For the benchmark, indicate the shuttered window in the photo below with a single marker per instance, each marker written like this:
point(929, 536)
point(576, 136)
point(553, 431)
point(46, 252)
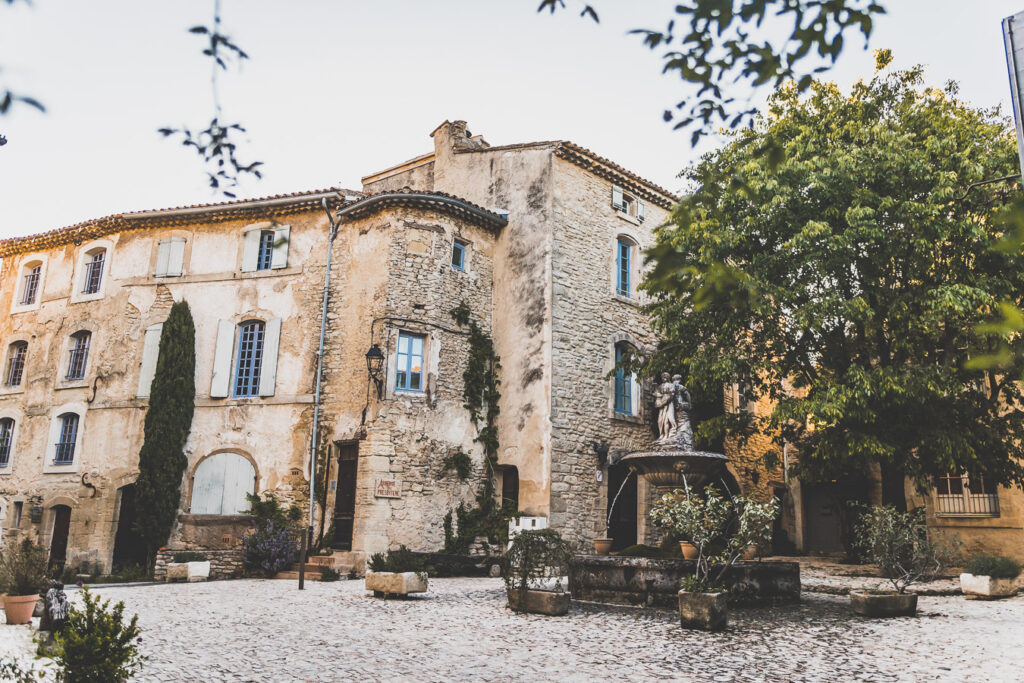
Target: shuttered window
point(266, 249)
point(249, 359)
point(170, 257)
point(265, 255)
point(221, 483)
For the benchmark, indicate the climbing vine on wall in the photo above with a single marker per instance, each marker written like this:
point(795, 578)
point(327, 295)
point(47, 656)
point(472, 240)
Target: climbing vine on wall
point(480, 397)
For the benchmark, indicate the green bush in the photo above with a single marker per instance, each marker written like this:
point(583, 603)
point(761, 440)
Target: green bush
point(23, 568)
point(401, 560)
point(328, 574)
point(900, 544)
point(996, 566)
point(189, 556)
point(96, 644)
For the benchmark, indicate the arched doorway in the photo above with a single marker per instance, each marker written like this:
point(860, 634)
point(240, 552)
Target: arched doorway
point(128, 547)
point(59, 537)
point(621, 519)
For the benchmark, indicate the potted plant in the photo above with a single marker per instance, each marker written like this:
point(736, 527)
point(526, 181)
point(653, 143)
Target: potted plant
point(688, 550)
point(900, 545)
point(705, 518)
point(397, 572)
point(603, 546)
point(989, 577)
point(23, 575)
point(532, 568)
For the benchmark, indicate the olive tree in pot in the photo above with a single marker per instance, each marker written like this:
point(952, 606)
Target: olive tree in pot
point(705, 518)
point(900, 545)
point(533, 568)
point(988, 577)
point(23, 576)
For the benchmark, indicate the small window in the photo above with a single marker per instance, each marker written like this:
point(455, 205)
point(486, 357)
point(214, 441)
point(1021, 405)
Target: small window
point(78, 356)
point(409, 365)
point(64, 453)
point(30, 286)
point(249, 359)
point(459, 255)
point(961, 495)
point(623, 381)
point(16, 523)
point(16, 354)
point(265, 255)
point(6, 440)
point(623, 266)
point(94, 272)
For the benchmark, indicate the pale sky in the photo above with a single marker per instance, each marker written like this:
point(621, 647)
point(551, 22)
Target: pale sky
point(337, 90)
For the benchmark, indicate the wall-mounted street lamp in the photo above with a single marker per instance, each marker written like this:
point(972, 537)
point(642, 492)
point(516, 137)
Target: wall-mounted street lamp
point(374, 365)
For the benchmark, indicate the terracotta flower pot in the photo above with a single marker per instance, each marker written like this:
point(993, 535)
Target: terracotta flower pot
point(18, 608)
point(689, 550)
point(602, 546)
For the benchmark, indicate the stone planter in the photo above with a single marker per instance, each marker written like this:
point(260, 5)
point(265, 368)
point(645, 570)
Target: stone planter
point(551, 603)
point(198, 571)
point(602, 546)
point(707, 611)
point(985, 587)
point(384, 584)
point(177, 571)
point(890, 604)
point(18, 608)
point(689, 550)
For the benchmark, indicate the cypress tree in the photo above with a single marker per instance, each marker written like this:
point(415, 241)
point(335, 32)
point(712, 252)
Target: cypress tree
point(162, 458)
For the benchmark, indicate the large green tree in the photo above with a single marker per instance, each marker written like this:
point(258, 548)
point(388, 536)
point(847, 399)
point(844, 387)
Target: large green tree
point(846, 279)
point(162, 458)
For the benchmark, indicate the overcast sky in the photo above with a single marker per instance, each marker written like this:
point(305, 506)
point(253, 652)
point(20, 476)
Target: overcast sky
point(337, 90)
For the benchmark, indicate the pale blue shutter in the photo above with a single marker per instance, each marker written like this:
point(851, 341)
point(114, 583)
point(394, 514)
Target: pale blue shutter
point(282, 235)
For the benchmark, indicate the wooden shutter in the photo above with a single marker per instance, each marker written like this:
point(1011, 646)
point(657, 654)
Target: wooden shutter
point(281, 237)
point(239, 479)
point(250, 251)
point(222, 359)
point(163, 253)
point(268, 367)
point(636, 395)
point(617, 200)
point(641, 209)
point(150, 353)
point(208, 486)
point(176, 257)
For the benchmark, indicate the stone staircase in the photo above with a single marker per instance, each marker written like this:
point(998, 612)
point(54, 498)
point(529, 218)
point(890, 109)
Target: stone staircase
point(342, 561)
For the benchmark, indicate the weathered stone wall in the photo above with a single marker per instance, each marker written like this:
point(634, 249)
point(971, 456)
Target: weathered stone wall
point(224, 564)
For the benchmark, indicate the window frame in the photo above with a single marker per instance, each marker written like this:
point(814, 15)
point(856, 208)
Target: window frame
point(94, 270)
point(407, 370)
point(78, 356)
point(461, 247)
point(30, 285)
point(80, 289)
point(623, 393)
point(624, 266)
point(254, 361)
point(54, 435)
point(206, 460)
point(265, 250)
point(8, 439)
point(29, 263)
point(965, 503)
point(9, 363)
point(63, 447)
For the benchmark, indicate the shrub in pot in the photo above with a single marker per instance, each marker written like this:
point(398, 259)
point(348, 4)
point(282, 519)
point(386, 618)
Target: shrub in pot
point(900, 544)
point(397, 572)
point(23, 575)
point(533, 568)
point(705, 518)
point(988, 576)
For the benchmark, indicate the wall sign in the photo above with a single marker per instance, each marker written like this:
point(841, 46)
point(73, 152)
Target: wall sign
point(389, 487)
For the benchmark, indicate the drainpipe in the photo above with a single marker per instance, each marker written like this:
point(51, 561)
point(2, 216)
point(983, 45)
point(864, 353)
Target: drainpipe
point(307, 539)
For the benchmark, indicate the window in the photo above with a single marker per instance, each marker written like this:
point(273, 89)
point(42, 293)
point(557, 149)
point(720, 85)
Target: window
point(966, 496)
point(409, 365)
point(78, 355)
point(221, 483)
point(250, 358)
point(18, 505)
point(16, 353)
point(30, 286)
point(64, 454)
point(94, 272)
point(170, 257)
point(265, 255)
point(265, 248)
point(6, 440)
point(622, 266)
point(459, 255)
point(628, 204)
point(624, 381)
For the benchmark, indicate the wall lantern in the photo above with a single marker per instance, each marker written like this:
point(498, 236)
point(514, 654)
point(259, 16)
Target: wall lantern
point(374, 365)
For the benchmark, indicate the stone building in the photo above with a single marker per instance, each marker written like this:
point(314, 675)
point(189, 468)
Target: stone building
point(540, 246)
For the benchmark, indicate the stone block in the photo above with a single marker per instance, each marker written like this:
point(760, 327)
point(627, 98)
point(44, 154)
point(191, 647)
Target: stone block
point(396, 583)
point(551, 603)
point(883, 604)
point(198, 571)
point(707, 611)
point(177, 571)
point(985, 587)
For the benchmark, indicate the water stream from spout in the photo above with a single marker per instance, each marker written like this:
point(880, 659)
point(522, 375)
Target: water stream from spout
point(611, 510)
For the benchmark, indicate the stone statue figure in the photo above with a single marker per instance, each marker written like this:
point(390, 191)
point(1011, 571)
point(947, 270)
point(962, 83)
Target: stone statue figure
point(665, 402)
point(681, 396)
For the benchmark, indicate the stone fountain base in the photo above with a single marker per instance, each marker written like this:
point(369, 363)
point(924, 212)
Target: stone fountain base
point(649, 582)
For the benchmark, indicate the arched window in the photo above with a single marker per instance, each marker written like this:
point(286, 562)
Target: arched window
point(249, 360)
point(30, 283)
point(64, 453)
point(15, 369)
point(625, 257)
point(78, 355)
point(221, 483)
point(6, 440)
point(625, 401)
point(93, 280)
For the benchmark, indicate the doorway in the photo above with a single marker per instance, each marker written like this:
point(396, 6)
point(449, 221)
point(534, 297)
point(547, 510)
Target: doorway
point(59, 538)
point(622, 522)
point(345, 496)
point(129, 550)
point(824, 518)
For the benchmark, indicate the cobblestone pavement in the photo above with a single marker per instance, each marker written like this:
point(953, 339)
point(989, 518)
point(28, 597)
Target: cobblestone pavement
point(254, 630)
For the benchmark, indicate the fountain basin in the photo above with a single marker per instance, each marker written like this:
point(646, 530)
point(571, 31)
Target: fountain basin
point(644, 581)
point(676, 468)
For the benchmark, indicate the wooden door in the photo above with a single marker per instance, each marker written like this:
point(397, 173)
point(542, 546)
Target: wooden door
point(823, 516)
point(59, 541)
point(345, 497)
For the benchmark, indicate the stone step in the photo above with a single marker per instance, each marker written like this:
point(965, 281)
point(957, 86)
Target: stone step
point(294, 575)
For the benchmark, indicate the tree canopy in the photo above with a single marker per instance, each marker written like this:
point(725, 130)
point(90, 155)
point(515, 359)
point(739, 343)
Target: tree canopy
point(846, 279)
